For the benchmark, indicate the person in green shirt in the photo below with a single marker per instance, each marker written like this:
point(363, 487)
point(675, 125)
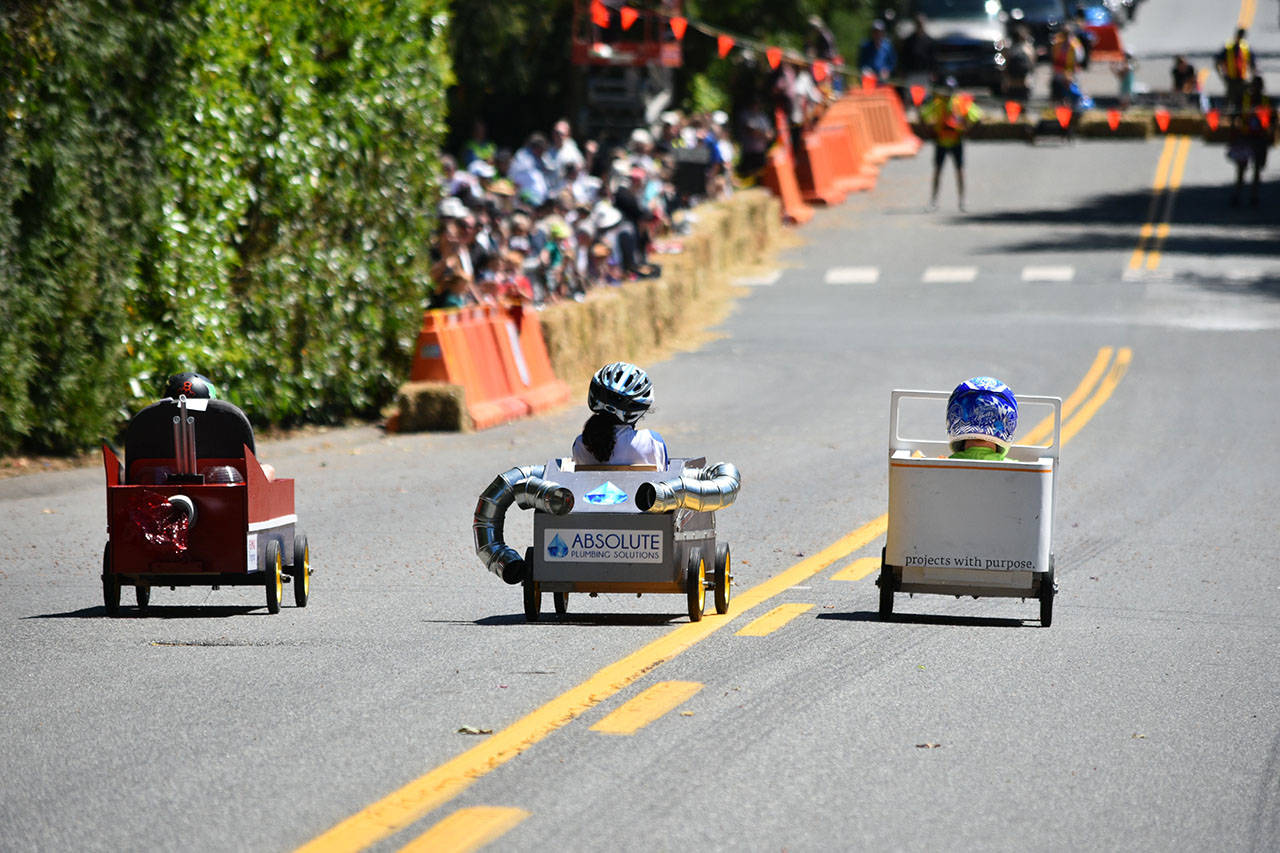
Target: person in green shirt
point(951, 116)
point(982, 415)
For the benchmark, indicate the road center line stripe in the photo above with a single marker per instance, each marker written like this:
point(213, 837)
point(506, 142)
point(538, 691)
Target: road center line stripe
point(773, 620)
point(1157, 186)
point(1175, 181)
point(412, 801)
point(1041, 431)
point(1118, 369)
point(643, 709)
point(466, 829)
point(858, 569)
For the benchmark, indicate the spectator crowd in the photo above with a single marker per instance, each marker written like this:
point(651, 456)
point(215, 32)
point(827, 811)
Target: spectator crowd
point(553, 219)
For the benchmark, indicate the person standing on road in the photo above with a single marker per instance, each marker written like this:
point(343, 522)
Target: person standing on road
point(1253, 131)
point(1064, 54)
point(1237, 65)
point(951, 116)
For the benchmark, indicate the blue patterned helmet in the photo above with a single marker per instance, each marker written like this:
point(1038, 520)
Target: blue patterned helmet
point(622, 390)
point(983, 408)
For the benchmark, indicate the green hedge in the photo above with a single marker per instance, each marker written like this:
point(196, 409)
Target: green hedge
point(241, 187)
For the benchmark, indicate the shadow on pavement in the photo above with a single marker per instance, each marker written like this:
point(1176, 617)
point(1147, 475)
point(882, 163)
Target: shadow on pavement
point(931, 619)
point(570, 619)
point(186, 611)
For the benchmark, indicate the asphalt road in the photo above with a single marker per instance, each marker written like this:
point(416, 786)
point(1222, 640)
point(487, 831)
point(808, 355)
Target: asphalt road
point(1145, 718)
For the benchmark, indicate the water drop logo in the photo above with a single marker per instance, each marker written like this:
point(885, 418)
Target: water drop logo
point(606, 495)
point(557, 548)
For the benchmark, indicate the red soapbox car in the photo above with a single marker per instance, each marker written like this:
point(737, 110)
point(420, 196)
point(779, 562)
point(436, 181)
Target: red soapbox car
point(192, 506)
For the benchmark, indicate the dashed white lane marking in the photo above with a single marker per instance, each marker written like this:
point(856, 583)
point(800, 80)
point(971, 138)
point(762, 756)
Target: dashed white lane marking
point(852, 275)
point(1062, 273)
point(949, 275)
point(764, 280)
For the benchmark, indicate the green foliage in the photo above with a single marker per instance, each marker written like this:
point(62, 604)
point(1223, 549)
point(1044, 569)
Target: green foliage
point(241, 187)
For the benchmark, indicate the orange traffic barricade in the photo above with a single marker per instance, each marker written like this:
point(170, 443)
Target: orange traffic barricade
point(780, 178)
point(815, 173)
point(846, 160)
point(539, 389)
point(459, 347)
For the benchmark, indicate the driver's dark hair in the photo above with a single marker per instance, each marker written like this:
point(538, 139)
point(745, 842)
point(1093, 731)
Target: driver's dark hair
point(599, 434)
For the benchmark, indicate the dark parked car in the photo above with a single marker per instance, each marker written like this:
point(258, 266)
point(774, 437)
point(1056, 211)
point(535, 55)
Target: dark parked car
point(969, 40)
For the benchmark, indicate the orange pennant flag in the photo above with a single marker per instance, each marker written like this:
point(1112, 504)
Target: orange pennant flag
point(628, 16)
point(1162, 119)
point(964, 100)
point(917, 94)
point(775, 56)
point(678, 26)
point(868, 82)
point(1113, 119)
point(599, 14)
point(1213, 117)
point(725, 44)
point(1012, 109)
point(1064, 115)
point(820, 70)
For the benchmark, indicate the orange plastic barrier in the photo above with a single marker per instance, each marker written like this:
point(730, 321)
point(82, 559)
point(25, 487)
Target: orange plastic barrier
point(780, 177)
point(844, 158)
point(539, 388)
point(815, 173)
point(846, 117)
point(887, 121)
point(461, 348)
point(1106, 44)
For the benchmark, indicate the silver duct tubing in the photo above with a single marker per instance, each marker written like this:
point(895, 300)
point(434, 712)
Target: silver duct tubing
point(704, 490)
point(525, 488)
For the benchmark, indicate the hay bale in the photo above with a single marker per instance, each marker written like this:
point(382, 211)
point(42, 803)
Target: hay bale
point(423, 406)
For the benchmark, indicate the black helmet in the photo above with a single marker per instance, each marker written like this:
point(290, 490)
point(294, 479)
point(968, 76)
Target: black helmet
point(622, 390)
point(191, 385)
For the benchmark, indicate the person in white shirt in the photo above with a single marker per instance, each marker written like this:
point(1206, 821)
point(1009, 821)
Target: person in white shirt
point(620, 394)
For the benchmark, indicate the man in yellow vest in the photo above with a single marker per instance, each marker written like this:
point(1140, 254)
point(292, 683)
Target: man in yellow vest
point(1065, 53)
point(951, 116)
point(1253, 131)
point(1237, 65)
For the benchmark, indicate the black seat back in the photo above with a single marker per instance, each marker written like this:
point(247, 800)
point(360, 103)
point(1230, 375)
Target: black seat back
point(222, 430)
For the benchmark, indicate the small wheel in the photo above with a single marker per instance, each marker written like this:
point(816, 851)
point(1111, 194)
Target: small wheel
point(722, 578)
point(885, 582)
point(274, 580)
point(561, 601)
point(110, 584)
point(1048, 588)
point(301, 570)
point(695, 585)
point(143, 595)
point(532, 600)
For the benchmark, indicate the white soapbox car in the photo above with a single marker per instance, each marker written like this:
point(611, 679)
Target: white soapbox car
point(967, 527)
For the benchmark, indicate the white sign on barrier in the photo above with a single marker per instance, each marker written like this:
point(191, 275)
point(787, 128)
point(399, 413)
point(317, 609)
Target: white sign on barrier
point(602, 546)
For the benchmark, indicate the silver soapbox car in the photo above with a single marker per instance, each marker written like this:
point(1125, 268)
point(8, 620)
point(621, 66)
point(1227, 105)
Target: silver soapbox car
point(970, 527)
point(612, 529)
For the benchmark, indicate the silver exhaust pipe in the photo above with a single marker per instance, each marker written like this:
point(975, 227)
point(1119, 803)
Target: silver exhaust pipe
point(524, 487)
point(704, 490)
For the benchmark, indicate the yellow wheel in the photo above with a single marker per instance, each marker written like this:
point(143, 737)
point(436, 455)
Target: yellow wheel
point(695, 584)
point(301, 570)
point(275, 577)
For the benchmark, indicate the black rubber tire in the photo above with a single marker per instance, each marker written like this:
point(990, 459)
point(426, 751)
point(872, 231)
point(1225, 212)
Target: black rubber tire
point(532, 600)
point(110, 584)
point(1048, 589)
point(561, 601)
point(274, 580)
point(885, 582)
point(301, 570)
point(695, 585)
point(142, 594)
point(722, 577)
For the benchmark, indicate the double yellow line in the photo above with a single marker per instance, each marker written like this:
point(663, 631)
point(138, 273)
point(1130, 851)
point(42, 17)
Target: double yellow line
point(1169, 171)
point(408, 804)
